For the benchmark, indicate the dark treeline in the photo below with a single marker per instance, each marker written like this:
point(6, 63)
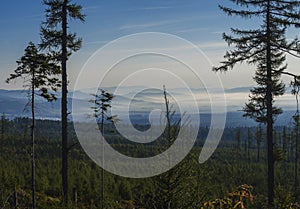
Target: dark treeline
point(236, 162)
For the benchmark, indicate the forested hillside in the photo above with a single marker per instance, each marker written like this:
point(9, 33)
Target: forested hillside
point(236, 171)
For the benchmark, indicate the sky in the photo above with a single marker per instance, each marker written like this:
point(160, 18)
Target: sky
point(197, 21)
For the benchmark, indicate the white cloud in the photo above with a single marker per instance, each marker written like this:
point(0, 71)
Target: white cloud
point(191, 30)
point(149, 24)
point(217, 32)
point(222, 44)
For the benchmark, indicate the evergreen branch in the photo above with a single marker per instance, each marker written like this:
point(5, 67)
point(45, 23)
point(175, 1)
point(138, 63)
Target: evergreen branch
point(287, 73)
point(242, 13)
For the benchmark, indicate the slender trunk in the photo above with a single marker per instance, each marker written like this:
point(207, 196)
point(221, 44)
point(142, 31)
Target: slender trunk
point(167, 114)
point(64, 113)
point(32, 141)
point(297, 125)
point(296, 159)
point(102, 171)
point(269, 114)
point(168, 137)
point(169, 142)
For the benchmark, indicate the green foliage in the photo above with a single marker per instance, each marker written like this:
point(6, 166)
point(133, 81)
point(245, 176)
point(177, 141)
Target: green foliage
point(256, 108)
point(250, 45)
point(172, 189)
point(188, 185)
point(51, 31)
point(266, 47)
point(60, 43)
point(38, 71)
point(125, 191)
point(102, 106)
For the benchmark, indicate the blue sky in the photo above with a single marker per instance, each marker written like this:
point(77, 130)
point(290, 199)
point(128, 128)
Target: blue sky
point(198, 21)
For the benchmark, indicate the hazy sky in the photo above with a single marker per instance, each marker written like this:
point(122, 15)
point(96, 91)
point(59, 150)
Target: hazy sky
point(198, 21)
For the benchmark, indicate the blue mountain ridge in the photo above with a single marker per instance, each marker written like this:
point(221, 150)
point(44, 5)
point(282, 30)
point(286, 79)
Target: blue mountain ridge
point(13, 104)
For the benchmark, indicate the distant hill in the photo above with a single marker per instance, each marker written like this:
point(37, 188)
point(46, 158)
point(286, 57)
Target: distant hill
point(13, 104)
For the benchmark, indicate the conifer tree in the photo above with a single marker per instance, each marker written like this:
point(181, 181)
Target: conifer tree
point(39, 73)
point(266, 48)
point(60, 43)
point(172, 189)
point(101, 108)
point(296, 118)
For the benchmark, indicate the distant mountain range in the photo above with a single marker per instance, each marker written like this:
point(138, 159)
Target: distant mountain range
point(13, 104)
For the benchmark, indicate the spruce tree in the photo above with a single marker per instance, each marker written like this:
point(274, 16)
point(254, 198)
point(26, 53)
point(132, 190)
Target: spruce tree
point(266, 48)
point(173, 189)
point(102, 104)
point(39, 73)
point(60, 43)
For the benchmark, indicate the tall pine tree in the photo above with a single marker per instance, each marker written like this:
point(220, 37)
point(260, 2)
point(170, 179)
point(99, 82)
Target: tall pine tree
point(57, 40)
point(40, 75)
point(265, 47)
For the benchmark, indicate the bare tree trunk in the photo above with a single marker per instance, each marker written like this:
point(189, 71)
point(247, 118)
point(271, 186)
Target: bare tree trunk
point(102, 170)
point(296, 160)
point(169, 142)
point(64, 108)
point(269, 114)
point(297, 125)
point(33, 140)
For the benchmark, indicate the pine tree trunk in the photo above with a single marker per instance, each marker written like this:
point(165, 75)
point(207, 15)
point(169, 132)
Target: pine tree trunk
point(296, 159)
point(102, 171)
point(269, 114)
point(297, 125)
point(32, 140)
point(64, 113)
